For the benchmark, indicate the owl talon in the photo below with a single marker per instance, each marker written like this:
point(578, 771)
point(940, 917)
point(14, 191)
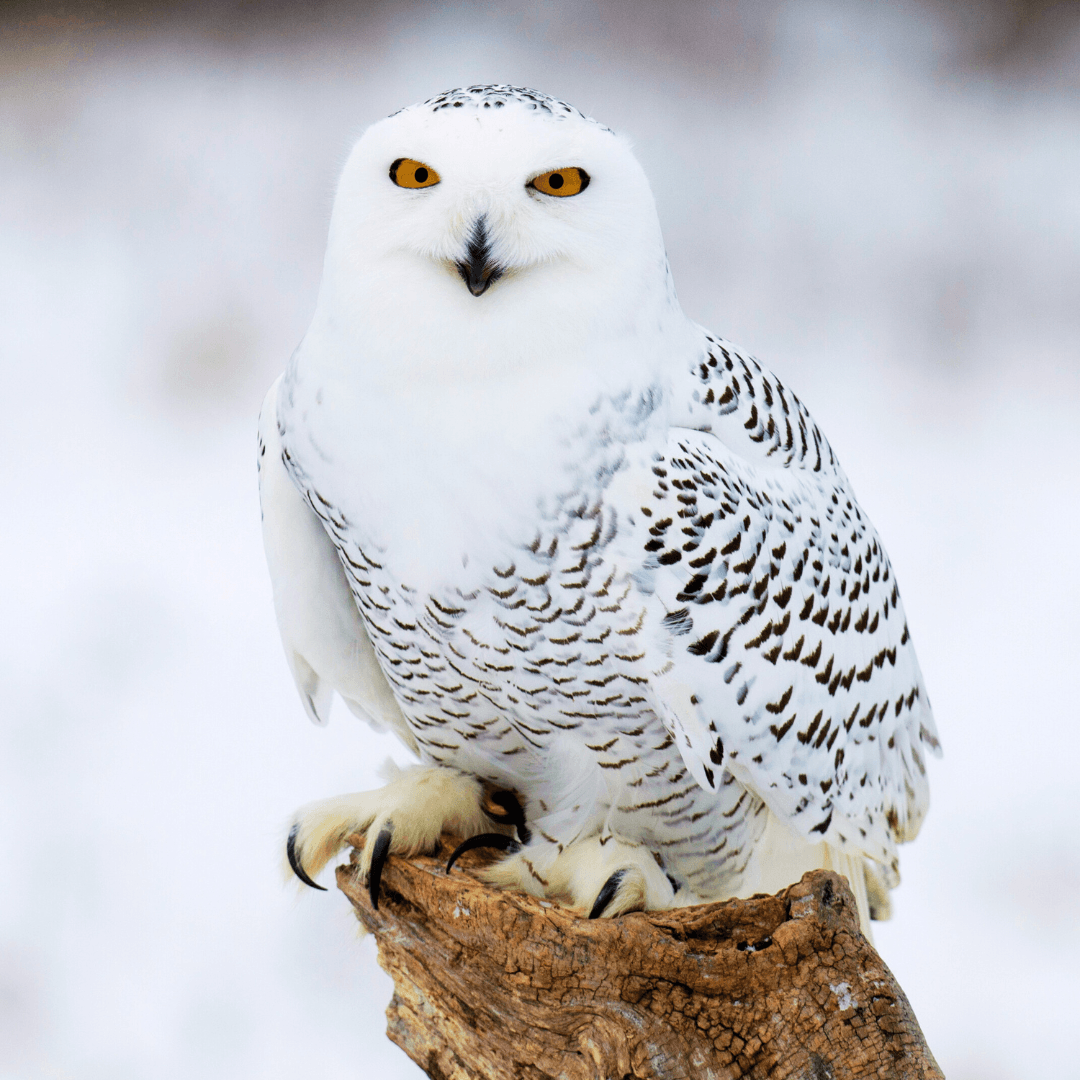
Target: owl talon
point(378, 861)
point(607, 894)
point(294, 860)
point(504, 808)
point(484, 840)
point(405, 817)
point(602, 876)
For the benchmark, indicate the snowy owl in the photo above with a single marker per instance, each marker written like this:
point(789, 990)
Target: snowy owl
point(599, 570)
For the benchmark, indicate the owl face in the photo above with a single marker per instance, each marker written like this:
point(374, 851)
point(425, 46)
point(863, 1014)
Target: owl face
point(482, 212)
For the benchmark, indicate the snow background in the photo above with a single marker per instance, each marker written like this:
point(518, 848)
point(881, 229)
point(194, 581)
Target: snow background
point(880, 201)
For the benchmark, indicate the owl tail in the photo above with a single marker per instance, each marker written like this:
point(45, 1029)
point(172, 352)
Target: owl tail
point(780, 858)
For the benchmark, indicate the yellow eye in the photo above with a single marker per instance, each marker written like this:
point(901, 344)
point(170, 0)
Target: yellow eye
point(413, 174)
point(561, 182)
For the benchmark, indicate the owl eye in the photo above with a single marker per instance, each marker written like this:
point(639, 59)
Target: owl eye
point(561, 182)
point(413, 174)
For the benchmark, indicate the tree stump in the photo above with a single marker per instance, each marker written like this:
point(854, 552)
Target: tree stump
point(500, 985)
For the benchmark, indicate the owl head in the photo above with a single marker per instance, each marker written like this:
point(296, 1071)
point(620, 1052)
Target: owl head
point(493, 221)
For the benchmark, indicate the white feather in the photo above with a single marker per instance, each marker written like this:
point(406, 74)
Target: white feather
point(325, 642)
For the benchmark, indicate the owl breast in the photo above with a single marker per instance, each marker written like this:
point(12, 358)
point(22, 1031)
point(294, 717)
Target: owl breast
point(531, 672)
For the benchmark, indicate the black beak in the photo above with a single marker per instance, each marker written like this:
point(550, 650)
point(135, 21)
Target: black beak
point(477, 270)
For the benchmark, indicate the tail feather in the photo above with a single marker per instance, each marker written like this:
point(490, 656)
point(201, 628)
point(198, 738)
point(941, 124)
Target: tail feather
point(780, 858)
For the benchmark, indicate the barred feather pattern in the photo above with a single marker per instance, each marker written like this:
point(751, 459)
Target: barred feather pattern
point(668, 667)
point(784, 587)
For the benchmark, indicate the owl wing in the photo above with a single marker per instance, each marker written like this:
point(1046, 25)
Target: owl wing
point(325, 641)
point(788, 659)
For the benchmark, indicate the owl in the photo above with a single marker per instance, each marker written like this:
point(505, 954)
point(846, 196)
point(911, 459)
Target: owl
point(597, 568)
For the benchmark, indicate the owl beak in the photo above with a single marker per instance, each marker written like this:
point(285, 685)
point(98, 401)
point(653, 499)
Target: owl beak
point(478, 270)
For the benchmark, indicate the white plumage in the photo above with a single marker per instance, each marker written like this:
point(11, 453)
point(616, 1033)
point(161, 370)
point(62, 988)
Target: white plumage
point(565, 543)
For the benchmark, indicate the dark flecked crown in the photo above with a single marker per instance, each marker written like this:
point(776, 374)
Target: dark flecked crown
point(498, 96)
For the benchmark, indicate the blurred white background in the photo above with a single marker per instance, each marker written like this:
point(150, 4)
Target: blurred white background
point(881, 201)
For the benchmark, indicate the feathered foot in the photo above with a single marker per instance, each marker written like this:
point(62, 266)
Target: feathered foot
point(405, 817)
point(599, 876)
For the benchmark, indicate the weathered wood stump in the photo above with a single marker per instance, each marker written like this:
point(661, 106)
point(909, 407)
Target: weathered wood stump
point(499, 985)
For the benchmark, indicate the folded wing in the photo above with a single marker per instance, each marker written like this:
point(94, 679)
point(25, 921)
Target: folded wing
point(788, 657)
point(326, 644)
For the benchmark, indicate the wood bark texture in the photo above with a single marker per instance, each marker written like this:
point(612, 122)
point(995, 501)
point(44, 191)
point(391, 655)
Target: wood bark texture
point(500, 985)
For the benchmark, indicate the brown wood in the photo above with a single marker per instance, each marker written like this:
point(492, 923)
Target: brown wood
point(499, 985)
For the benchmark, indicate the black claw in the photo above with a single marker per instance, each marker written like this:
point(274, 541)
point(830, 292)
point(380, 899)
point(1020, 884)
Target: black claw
point(378, 860)
point(294, 859)
point(607, 894)
point(507, 811)
point(488, 839)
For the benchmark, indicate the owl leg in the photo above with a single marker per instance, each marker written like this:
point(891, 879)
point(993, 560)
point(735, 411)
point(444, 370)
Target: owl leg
point(405, 817)
point(602, 875)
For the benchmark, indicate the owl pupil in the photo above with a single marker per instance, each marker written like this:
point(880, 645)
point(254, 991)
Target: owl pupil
point(556, 181)
point(421, 174)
